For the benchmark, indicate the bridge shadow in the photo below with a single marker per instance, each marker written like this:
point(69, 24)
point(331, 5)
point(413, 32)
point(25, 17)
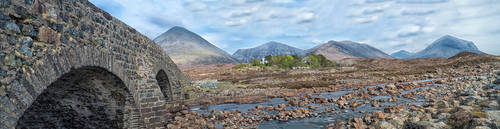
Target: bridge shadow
point(164, 84)
point(87, 97)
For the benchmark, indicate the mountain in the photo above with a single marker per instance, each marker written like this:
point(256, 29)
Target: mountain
point(402, 54)
point(334, 50)
point(270, 48)
point(445, 47)
point(187, 48)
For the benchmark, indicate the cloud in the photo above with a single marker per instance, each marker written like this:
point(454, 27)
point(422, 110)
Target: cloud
point(389, 25)
point(214, 39)
point(163, 22)
point(304, 18)
point(417, 12)
point(236, 22)
point(422, 1)
point(376, 1)
point(373, 11)
point(366, 19)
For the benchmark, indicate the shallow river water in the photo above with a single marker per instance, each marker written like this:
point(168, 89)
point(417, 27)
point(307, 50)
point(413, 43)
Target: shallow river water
point(324, 118)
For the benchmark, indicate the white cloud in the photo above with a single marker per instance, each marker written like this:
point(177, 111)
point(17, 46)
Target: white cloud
point(236, 22)
point(305, 17)
point(386, 24)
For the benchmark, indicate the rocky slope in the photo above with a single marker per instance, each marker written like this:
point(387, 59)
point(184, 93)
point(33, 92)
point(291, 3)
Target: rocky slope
point(188, 48)
point(402, 54)
point(445, 47)
point(334, 50)
point(270, 48)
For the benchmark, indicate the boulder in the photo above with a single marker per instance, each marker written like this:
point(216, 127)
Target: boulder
point(384, 125)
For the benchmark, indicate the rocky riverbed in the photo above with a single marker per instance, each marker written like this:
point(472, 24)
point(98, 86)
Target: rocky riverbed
point(454, 102)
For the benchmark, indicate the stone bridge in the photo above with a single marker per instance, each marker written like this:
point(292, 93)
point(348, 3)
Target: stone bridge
point(68, 64)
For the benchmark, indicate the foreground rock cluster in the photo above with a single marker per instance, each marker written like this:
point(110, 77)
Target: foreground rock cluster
point(470, 101)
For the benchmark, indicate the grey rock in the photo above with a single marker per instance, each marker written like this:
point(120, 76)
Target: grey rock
point(29, 30)
point(493, 115)
point(270, 48)
point(3, 73)
point(25, 46)
point(4, 3)
point(384, 125)
point(12, 27)
point(52, 13)
point(482, 127)
point(497, 82)
point(4, 17)
point(10, 60)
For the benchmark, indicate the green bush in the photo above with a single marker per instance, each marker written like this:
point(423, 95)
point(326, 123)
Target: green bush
point(288, 62)
point(319, 60)
point(242, 65)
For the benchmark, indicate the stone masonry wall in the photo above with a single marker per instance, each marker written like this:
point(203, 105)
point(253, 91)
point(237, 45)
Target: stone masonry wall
point(41, 40)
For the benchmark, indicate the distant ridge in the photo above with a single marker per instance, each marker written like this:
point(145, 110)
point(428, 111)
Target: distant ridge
point(334, 50)
point(270, 48)
point(188, 48)
point(402, 54)
point(445, 47)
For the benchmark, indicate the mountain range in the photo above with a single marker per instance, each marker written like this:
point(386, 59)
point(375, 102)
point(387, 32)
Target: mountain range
point(402, 54)
point(445, 47)
point(334, 50)
point(189, 49)
point(270, 48)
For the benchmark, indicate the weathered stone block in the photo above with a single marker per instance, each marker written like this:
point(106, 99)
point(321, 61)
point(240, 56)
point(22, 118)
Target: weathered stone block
point(25, 46)
point(48, 35)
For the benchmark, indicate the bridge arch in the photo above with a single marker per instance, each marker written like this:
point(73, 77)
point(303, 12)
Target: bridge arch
point(80, 87)
point(86, 97)
point(164, 84)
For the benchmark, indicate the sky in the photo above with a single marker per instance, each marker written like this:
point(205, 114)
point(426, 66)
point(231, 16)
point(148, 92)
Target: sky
point(389, 25)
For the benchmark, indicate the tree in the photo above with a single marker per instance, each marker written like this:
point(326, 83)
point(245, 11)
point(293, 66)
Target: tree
point(256, 62)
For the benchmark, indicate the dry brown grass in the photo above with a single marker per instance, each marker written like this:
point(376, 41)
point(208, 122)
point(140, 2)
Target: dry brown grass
point(362, 72)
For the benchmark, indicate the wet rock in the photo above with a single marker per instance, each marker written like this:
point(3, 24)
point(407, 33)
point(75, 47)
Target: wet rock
point(391, 86)
point(269, 108)
point(375, 103)
point(355, 105)
point(339, 125)
point(259, 107)
point(320, 100)
point(379, 115)
point(359, 124)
